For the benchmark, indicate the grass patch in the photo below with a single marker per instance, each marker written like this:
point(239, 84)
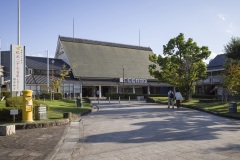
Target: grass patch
point(58, 107)
point(212, 106)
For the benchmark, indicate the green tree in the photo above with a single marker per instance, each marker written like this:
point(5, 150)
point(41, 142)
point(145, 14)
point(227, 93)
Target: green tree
point(232, 49)
point(64, 73)
point(231, 76)
point(181, 65)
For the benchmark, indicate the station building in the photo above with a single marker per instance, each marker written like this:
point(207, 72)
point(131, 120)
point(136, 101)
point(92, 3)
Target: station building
point(96, 66)
point(109, 67)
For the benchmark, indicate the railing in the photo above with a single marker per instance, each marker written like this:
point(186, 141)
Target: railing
point(210, 80)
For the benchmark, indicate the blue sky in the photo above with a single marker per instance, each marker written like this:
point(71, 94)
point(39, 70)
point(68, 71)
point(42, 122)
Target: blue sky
point(210, 23)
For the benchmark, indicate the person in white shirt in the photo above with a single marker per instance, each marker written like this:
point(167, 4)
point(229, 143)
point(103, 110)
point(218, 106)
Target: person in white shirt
point(170, 98)
point(178, 97)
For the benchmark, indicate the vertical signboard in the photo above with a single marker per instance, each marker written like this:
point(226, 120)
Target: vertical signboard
point(17, 68)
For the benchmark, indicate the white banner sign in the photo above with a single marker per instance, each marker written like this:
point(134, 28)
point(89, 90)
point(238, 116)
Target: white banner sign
point(133, 80)
point(17, 68)
point(14, 112)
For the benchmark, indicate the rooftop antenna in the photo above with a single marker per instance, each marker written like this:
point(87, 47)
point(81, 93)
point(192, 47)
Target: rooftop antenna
point(73, 27)
point(139, 37)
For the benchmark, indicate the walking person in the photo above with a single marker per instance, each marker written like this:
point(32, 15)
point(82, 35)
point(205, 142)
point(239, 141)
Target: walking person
point(178, 97)
point(170, 98)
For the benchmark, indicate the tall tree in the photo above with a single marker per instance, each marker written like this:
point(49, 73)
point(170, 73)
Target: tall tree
point(181, 65)
point(231, 74)
point(232, 49)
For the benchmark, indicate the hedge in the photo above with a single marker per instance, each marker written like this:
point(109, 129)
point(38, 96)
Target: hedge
point(205, 96)
point(17, 102)
point(57, 96)
point(132, 96)
point(5, 114)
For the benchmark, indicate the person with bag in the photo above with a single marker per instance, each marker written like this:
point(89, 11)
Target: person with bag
point(170, 98)
point(178, 97)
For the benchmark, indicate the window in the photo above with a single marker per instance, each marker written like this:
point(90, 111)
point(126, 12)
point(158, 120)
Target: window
point(30, 71)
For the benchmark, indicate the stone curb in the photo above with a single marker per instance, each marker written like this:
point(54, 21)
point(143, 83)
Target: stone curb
point(41, 124)
point(50, 123)
point(61, 141)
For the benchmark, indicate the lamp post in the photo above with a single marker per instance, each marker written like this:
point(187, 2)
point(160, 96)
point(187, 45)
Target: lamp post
point(52, 93)
point(47, 72)
point(123, 80)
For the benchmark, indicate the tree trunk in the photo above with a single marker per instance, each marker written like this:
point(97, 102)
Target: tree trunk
point(187, 97)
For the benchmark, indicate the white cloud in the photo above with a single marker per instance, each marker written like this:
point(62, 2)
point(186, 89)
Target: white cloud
point(221, 16)
point(230, 28)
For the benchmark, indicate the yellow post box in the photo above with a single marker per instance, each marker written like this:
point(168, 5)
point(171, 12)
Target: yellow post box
point(27, 109)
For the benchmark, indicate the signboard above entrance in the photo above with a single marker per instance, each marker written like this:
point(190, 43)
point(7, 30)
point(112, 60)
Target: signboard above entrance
point(133, 80)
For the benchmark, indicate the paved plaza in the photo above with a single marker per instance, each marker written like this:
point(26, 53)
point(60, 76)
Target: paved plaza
point(142, 131)
point(130, 131)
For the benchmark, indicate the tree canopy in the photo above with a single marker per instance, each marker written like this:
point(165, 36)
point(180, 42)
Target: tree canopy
point(57, 83)
point(231, 74)
point(232, 49)
point(182, 63)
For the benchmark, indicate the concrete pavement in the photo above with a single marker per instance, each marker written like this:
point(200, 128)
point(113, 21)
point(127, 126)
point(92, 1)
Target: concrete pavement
point(31, 144)
point(130, 131)
point(141, 131)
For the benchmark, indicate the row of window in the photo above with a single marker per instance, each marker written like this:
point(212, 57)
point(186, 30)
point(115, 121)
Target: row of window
point(66, 88)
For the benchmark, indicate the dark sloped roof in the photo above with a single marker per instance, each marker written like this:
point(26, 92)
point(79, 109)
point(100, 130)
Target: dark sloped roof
point(33, 62)
point(42, 79)
point(87, 41)
point(95, 59)
point(217, 62)
point(41, 63)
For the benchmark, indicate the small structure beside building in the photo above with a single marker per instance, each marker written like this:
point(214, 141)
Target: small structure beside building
point(213, 83)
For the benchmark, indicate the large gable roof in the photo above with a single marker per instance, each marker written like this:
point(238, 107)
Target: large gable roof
point(97, 59)
point(217, 63)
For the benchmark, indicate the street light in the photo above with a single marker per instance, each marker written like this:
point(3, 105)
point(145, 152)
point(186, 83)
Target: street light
point(47, 72)
point(52, 93)
point(123, 79)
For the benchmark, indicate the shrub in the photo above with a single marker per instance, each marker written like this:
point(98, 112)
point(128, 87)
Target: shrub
point(58, 96)
point(17, 102)
point(7, 94)
point(5, 114)
point(45, 96)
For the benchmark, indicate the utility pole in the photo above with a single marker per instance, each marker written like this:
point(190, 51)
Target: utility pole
point(123, 79)
point(19, 22)
point(52, 80)
point(47, 72)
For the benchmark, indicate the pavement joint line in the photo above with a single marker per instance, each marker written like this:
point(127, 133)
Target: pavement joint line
point(81, 139)
point(60, 143)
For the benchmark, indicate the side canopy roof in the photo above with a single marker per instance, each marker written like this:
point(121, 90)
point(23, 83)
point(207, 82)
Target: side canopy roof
point(95, 59)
